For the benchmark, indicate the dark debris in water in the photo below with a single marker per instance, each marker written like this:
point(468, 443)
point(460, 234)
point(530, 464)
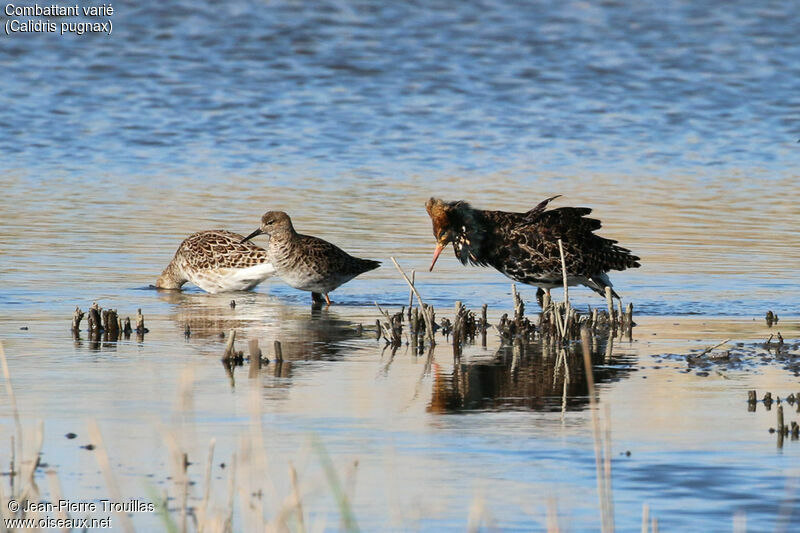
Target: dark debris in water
point(783, 429)
point(742, 356)
point(771, 318)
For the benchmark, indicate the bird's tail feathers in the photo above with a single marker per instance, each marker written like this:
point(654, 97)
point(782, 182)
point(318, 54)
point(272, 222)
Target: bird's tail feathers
point(598, 284)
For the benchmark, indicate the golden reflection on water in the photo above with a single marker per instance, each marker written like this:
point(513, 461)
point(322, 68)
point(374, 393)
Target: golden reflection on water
point(732, 225)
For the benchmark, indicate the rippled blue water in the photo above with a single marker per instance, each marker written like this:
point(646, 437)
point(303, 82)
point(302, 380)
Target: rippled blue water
point(392, 89)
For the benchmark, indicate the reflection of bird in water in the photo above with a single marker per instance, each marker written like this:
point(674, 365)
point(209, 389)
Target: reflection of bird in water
point(524, 246)
point(217, 261)
point(520, 377)
point(320, 335)
point(305, 262)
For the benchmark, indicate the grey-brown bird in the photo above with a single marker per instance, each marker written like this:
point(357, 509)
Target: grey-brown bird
point(305, 262)
point(524, 246)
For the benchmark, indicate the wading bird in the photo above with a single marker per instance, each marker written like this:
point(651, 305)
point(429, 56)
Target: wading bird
point(217, 261)
point(524, 246)
point(305, 262)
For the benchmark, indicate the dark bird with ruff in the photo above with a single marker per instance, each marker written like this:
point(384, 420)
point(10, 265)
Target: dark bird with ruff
point(524, 246)
point(305, 262)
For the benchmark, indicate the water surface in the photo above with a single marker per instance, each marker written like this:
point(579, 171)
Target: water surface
point(676, 122)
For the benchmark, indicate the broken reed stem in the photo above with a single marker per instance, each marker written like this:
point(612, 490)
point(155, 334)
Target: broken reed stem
point(278, 352)
point(629, 320)
point(564, 325)
point(559, 322)
point(563, 271)
point(255, 357)
point(425, 309)
point(76, 319)
point(712, 348)
point(229, 347)
point(384, 313)
point(484, 325)
point(140, 322)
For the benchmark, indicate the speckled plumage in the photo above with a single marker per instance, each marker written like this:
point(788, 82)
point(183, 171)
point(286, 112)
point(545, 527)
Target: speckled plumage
point(305, 262)
point(524, 246)
point(217, 261)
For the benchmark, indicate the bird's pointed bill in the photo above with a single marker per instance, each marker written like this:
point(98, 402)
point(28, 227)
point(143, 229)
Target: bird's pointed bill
point(256, 233)
point(436, 254)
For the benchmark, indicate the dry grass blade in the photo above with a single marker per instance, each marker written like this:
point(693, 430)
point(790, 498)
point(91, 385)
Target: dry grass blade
point(105, 466)
point(645, 518)
point(476, 512)
point(11, 399)
point(602, 473)
point(231, 495)
point(552, 516)
point(346, 511)
point(563, 325)
point(785, 512)
point(203, 511)
point(297, 501)
point(564, 271)
point(607, 466)
point(28, 467)
point(411, 292)
point(57, 494)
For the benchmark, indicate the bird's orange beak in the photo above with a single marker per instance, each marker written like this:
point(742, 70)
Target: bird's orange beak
point(436, 253)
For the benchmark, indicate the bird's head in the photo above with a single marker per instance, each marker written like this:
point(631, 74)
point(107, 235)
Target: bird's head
point(272, 222)
point(444, 218)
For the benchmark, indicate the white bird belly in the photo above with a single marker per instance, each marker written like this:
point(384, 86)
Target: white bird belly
point(231, 279)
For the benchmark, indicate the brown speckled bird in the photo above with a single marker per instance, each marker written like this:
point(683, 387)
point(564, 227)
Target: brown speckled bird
point(217, 261)
point(524, 246)
point(305, 262)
